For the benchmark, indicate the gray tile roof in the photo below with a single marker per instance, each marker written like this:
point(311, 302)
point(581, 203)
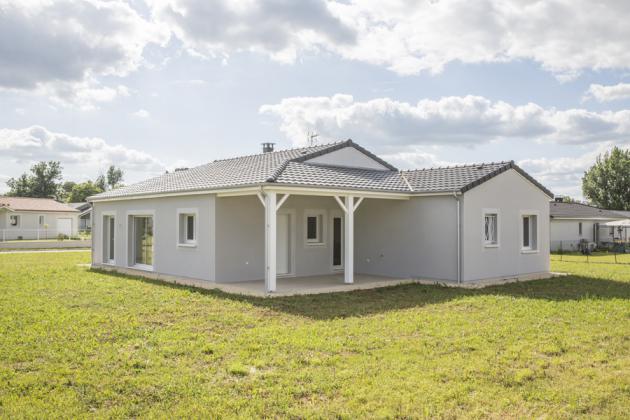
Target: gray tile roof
point(297, 173)
point(290, 167)
point(578, 210)
point(452, 178)
point(226, 173)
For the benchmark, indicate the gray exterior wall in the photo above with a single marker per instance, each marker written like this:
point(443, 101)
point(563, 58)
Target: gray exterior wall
point(415, 238)
point(169, 258)
point(511, 194)
point(241, 237)
point(349, 157)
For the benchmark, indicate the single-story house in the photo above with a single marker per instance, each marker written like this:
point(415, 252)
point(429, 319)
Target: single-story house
point(321, 211)
point(572, 223)
point(85, 215)
point(36, 218)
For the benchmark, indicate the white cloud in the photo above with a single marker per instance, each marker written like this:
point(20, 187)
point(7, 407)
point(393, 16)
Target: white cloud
point(603, 93)
point(466, 120)
point(564, 36)
point(564, 174)
point(279, 28)
point(37, 143)
point(141, 113)
point(59, 48)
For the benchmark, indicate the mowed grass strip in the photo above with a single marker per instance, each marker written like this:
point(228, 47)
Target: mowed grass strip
point(77, 343)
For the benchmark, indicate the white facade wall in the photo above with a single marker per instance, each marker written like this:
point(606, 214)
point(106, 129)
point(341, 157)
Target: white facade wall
point(29, 227)
point(511, 194)
point(412, 238)
point(565, 233)
point(168, 258)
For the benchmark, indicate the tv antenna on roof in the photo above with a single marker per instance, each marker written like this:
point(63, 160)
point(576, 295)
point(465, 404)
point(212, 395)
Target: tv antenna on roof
point(311, 138)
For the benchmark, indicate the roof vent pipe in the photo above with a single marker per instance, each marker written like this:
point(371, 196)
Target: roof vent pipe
point(268, 147)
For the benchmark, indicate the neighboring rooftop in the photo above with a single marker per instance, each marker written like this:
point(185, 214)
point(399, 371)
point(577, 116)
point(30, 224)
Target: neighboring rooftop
point(579, 210)
point(292, 167)
point(80, 206)
point(34, 204)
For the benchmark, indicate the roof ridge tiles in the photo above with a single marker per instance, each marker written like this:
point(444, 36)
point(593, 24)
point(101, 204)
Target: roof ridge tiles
point(323, 145)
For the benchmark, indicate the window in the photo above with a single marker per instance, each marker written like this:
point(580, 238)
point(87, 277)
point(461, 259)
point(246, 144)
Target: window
point(612, 231)
point(142, 240)
point(109, 238)
point(14, 220)
point(187, 227)
point(580, 228)
point(41, 220)
point(314, 227)
point(529, 232)
point(491, 229)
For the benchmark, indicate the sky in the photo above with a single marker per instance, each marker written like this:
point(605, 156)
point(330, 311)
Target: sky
point(150, 85)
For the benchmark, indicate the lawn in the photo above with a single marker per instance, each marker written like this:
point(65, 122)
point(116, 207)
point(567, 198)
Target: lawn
point(77, 343)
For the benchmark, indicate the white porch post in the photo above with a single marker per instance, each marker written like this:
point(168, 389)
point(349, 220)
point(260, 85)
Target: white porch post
point(348, 274)
point(270, 241)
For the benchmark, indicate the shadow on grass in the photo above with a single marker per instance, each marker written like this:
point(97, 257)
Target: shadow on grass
point(374, 301)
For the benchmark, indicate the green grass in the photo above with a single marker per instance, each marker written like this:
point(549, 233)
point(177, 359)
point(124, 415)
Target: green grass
point(77, 343)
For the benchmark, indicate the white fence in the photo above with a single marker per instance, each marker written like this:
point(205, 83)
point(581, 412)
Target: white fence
point(39, 234)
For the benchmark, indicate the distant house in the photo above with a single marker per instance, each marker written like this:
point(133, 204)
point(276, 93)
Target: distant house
point(325, 210)
point(85, 215)
point(36, 218)
point(572, 223)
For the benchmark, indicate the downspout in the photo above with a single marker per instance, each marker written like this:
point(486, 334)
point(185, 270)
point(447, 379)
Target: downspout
point(458, 219)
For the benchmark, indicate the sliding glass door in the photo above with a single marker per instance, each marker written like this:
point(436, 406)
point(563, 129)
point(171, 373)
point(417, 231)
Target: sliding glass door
point(143, 240)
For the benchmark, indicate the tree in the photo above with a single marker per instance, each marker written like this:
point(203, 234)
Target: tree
point(20, 187)
point(114, 177)
point(607, 183)
point(82, 191)
point(43, 182)
point(101, 182)
point(66, 189)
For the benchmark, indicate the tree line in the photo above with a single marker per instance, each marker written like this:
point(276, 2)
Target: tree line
point(45, 180)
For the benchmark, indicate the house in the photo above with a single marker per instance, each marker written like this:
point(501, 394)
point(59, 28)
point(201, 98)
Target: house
point(572, 223)
point(85, 215)
point(36, 218)
point(325, 210)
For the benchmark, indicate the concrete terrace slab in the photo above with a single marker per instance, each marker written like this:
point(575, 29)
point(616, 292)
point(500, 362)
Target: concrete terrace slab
point(310, 285)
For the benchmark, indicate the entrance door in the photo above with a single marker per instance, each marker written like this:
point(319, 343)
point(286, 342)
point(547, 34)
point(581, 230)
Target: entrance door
point(337, 242)
point(283, 240)
point(64, 226)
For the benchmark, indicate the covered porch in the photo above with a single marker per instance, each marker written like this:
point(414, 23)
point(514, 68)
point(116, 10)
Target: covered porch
point(308, 240)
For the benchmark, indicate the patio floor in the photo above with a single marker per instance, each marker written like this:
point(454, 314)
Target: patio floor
point(289, 286)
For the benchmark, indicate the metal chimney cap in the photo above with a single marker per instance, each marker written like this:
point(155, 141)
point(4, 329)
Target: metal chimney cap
point(268, 147)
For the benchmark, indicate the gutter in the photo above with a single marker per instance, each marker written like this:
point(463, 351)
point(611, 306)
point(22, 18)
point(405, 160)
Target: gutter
point(459, 248)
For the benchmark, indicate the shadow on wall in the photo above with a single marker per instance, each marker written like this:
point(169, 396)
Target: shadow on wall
point(374, 301)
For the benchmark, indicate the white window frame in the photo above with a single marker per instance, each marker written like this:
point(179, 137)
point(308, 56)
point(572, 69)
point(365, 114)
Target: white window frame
point(184, 213)
point(484, 213)
point(529, 249)
point(41, 220)
point(321, 220)
point(18, 218)
point(104, 233)
point(131, 253)
point(580, 229)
